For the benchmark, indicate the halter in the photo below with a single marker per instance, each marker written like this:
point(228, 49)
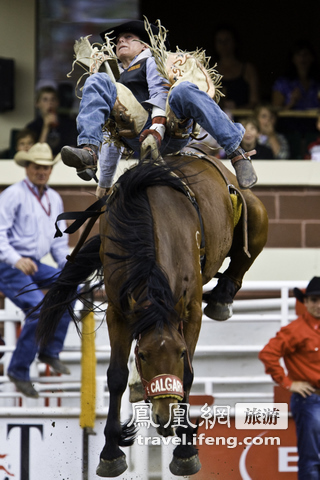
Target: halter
point(164, 385)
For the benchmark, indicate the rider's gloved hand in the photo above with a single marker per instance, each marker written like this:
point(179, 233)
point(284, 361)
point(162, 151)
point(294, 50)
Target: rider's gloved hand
point(157, 130)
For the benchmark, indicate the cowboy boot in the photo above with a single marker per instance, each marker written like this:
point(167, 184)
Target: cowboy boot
point(245, 172)
point(84, 159)
point(24, 386)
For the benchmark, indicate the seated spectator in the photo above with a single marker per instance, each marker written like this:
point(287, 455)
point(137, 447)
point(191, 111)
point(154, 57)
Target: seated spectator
point(298, 88)
point(269, 137)
point(49, 126)
point(250, 140)
point(240, 79)
point(313, 149)
point(24, 140)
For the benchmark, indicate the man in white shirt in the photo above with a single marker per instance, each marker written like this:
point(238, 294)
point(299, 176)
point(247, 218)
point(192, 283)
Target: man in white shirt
point(28, 210)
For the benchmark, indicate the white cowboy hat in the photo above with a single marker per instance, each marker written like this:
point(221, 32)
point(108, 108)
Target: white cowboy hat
point(40, 154)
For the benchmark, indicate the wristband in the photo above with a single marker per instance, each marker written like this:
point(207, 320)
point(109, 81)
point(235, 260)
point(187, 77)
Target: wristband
point(159, 125)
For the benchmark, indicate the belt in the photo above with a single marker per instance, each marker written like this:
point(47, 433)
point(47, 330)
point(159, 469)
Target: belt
point(317, 391)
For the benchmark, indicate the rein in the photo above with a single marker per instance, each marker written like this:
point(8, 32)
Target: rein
point(163, 385)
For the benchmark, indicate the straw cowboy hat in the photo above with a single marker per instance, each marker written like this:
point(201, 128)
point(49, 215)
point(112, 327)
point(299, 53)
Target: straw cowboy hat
point(313, 288)
point(40, 154)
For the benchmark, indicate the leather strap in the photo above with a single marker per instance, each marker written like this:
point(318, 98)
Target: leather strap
point(164, 384)
point(188, 151)
point(245, 156)
point(80, 217)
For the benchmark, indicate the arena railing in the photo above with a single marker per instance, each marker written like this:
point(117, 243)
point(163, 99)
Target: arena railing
point(56, 391)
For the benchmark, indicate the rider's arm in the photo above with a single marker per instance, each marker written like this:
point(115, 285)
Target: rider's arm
point(284, 343)
point(158, 92)
point(158, 87)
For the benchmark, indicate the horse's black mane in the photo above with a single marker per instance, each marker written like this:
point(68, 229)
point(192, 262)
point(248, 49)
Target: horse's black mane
point(130, 217)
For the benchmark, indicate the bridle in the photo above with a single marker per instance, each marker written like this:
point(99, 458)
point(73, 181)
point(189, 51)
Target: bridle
point(163, 385)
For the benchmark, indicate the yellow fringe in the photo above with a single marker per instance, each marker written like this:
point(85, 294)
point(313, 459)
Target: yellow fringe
point(168, 396)
point(237, 207)
point(160, 54)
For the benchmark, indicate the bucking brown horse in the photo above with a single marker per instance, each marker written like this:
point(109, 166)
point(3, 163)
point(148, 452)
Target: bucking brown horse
point(167, 228)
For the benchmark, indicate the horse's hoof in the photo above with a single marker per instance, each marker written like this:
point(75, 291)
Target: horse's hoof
point(218, 311)
point(136, 392)
point(112, 468)
point(185, 466)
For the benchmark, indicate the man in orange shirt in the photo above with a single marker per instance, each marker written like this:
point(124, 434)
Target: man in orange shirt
point(299, 345)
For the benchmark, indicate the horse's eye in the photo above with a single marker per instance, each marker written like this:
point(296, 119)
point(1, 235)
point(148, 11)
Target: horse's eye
point(141, 356)
point(182, 354)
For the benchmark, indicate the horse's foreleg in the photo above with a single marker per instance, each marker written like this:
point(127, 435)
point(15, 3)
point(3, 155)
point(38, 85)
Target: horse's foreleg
point(112, 459)
point(191, 330)
point(220, 299)
point(185, 459)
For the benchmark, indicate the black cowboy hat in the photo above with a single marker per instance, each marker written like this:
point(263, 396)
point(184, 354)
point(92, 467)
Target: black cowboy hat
point(313, 288)
point(134, 26)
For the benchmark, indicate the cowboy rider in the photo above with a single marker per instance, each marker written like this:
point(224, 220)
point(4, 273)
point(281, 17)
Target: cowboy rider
point(150, 90)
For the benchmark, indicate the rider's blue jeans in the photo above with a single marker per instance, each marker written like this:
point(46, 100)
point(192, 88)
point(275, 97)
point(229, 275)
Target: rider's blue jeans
point(306, 414)
point(12, 281)
point(186, 101)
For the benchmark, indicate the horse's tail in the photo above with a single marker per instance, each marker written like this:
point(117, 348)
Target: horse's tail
point(64, 291)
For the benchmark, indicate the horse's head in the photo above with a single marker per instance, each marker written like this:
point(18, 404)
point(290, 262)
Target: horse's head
point(160, 361)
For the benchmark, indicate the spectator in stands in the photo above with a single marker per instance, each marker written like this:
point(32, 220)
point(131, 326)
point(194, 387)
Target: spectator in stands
point(299, 87)
point(267, 119)
point(240, 79)
point(24, 140)
point(313, 149)
point(28, 210)
point(250, 140)
point(49, 126)
point(299, 345)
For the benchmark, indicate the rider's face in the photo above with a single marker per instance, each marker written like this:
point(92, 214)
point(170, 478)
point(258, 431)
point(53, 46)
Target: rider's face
point(128, 46)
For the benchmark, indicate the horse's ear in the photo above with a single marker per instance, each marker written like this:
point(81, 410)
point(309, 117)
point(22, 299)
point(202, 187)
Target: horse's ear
point(180, 307)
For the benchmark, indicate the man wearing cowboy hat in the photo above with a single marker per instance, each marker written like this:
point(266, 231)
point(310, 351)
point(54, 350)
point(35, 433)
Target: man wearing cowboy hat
point(154, 101)
point(299, 345)
point(28, 210)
